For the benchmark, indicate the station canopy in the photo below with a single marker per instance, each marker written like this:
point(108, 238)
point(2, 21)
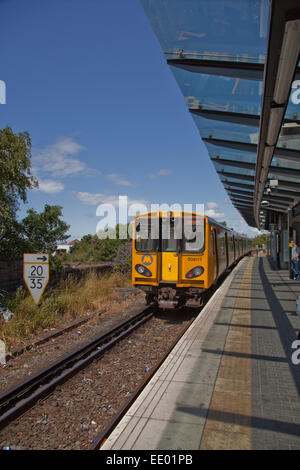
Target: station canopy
point(237, 65)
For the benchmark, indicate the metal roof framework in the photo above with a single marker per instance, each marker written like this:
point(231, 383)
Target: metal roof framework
point(242, 95)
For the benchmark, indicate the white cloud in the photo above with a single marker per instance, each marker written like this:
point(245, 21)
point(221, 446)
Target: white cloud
point(212, 205)
point(118, 179)
point(162, 172)
point(213, 211)
point(98, 198)
point(50, 186)
point(58, 159)
point(214, 214)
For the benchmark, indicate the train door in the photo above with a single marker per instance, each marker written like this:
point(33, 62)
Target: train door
point(170, 249)
point(215, 252)
point(234, 247)
point(227, 249)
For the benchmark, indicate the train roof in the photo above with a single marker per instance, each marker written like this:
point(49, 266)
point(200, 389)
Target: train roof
point(217, 224)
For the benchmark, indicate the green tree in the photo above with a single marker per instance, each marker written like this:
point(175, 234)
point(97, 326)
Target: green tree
point(15, 180)
point(95, 249)
point(45, 230)
point(260, 240)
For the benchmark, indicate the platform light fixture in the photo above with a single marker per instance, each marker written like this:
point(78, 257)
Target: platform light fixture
point(273, 183)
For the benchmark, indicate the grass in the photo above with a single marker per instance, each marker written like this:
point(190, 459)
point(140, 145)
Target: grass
point(58, 306)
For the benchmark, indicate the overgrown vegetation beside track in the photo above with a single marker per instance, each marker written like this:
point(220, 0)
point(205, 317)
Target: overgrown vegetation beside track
point(58, 306)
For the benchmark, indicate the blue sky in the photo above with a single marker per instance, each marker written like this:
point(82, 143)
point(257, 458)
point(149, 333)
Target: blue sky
point(88, 81)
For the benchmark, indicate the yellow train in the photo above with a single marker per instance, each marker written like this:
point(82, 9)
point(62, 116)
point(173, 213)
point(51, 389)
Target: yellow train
point(177, 256)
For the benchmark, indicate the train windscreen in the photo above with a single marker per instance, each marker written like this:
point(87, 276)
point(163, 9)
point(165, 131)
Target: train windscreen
point(193, 234)
point(147, 234)
point(171, 234)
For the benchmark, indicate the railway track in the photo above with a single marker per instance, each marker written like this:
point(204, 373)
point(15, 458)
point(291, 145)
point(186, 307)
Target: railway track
point(101, 438)
point(22, 397)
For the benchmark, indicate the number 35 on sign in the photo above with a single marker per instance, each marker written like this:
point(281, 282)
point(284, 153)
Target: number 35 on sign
point(36, 273)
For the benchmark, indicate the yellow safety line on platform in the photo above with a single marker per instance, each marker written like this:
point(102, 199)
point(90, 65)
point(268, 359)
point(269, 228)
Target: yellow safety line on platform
point(228, 424)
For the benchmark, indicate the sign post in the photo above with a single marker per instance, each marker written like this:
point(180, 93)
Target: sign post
point(36, 273)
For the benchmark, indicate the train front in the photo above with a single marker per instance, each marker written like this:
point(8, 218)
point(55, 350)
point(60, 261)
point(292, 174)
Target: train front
point(169, 258)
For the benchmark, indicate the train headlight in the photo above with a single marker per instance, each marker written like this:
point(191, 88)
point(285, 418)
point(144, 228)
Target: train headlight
point(195, 272)
point(142, 270)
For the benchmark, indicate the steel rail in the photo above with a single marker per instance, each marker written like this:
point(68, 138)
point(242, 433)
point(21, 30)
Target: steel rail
point(25, 394)
point(56, 334)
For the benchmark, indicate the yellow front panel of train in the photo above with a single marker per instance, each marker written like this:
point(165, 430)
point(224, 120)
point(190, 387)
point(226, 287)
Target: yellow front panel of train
point(187, 277)
point(169, 266)
point(148, 261)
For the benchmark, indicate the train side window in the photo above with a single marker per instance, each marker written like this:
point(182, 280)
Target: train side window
point(222, 244)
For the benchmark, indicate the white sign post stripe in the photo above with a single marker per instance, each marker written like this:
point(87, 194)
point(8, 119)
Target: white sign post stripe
point(36, 258)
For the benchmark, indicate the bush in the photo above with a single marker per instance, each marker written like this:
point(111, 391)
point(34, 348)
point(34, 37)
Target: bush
point(122, 262)
point(58, 262)
point(91, 249)
point(71, 299)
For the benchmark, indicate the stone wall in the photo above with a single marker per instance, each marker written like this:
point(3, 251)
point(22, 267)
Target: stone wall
point(11, 274)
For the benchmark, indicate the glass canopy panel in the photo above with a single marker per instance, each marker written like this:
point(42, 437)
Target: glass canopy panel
point(235, 182)
point(283, 177)
point(290, 135)
point(230, 154)
point(235, 170)
point(283, 163)
point(211, 29)
point(213, 92)
point(225, 130)
point(292, 110)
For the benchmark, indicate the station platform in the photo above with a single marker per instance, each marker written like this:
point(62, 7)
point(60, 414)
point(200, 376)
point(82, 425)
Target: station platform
point(230, 382)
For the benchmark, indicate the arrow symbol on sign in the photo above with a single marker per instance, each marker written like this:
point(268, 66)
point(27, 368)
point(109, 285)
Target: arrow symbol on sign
point(43, 258)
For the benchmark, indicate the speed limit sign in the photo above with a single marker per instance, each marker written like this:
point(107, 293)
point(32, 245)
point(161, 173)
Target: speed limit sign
point(36, 273)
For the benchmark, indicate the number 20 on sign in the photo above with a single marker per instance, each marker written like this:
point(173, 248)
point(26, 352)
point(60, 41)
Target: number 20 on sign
point(36, 273)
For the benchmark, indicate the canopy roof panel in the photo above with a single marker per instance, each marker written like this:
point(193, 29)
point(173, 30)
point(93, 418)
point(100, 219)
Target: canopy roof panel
point(204, 28)
point(237, 65)
point(219, 93)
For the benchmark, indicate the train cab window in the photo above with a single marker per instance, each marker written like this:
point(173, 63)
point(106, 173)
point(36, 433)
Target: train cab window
point(171, 234)
point(146, 234)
